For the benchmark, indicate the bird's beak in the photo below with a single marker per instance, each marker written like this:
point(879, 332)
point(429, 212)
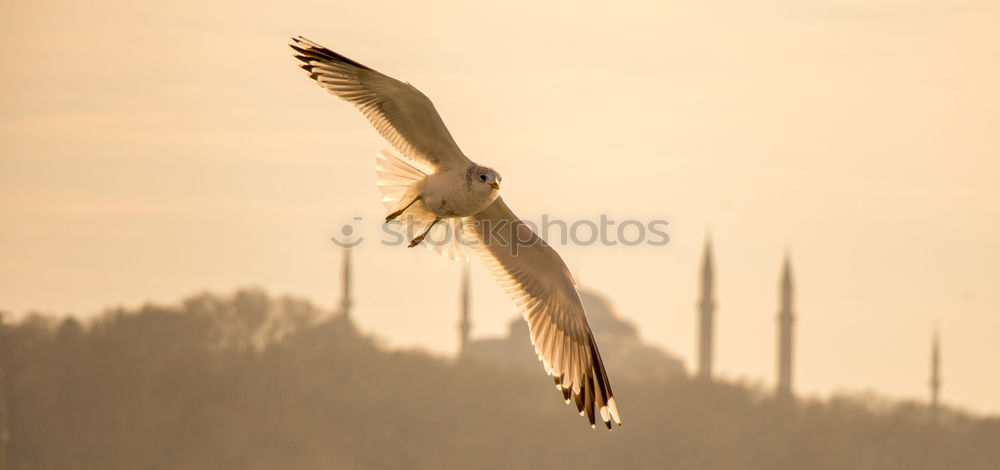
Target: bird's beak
point(495, 186)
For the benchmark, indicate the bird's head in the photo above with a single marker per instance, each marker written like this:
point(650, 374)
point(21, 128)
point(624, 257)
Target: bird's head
point(483, 178)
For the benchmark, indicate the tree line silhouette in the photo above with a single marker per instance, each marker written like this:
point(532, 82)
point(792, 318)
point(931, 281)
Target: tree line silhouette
point(247, 381)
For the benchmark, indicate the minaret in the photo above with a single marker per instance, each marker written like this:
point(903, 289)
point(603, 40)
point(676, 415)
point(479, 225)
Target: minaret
point(4, 430)
point(706, 315)
point(935, 382)
point(4, 433)
point(345, 286)
point(464, 322)
point(785, 320)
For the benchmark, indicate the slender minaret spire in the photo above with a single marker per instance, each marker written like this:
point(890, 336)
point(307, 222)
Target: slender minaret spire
point(4, 433)
point(706, 314)
point(935, 382)
point(4, 430)
point(464, 322)
point(786, 317)
point(345, 285)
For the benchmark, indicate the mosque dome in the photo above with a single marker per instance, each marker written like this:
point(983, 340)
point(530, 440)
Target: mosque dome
point(618, 339)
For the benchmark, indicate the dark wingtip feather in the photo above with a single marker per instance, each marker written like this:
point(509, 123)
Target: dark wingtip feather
point(566, 393)
point(603, 385)
point(303, 55)
point(589, 402)
point(313, 51)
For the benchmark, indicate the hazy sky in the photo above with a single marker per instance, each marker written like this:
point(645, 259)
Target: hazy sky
point(150, 151)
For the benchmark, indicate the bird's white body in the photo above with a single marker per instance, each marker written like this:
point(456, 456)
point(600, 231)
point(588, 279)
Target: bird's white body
point(450, 193)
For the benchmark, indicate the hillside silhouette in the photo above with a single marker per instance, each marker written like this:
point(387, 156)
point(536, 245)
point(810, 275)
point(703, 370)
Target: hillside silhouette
point(249, 381)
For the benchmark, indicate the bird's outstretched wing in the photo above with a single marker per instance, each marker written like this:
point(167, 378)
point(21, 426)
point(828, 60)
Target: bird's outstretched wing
point(400, 112)
point(537, 279)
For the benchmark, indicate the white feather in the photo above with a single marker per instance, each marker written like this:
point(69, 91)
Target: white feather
point(400, 181)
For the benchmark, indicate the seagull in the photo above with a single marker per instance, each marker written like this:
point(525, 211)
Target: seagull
point(435, 185)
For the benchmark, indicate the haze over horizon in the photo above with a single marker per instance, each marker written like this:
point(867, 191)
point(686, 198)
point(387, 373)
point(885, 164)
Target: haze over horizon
point(149, 154)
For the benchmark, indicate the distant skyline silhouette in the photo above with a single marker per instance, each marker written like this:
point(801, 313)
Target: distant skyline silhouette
point(246, 380)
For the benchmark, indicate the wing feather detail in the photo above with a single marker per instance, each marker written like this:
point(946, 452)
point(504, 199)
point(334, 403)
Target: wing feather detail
point(403, 115)
point(537, 280)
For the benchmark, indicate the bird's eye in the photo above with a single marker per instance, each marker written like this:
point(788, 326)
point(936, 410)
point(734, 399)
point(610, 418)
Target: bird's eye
point(482, 177)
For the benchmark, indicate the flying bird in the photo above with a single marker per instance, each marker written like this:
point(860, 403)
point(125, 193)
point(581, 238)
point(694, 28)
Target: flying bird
point(435, 187)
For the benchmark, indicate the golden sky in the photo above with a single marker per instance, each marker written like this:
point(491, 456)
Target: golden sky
point(147, 152)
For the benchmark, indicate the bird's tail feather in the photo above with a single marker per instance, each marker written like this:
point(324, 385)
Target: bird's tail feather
point(399, 181)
